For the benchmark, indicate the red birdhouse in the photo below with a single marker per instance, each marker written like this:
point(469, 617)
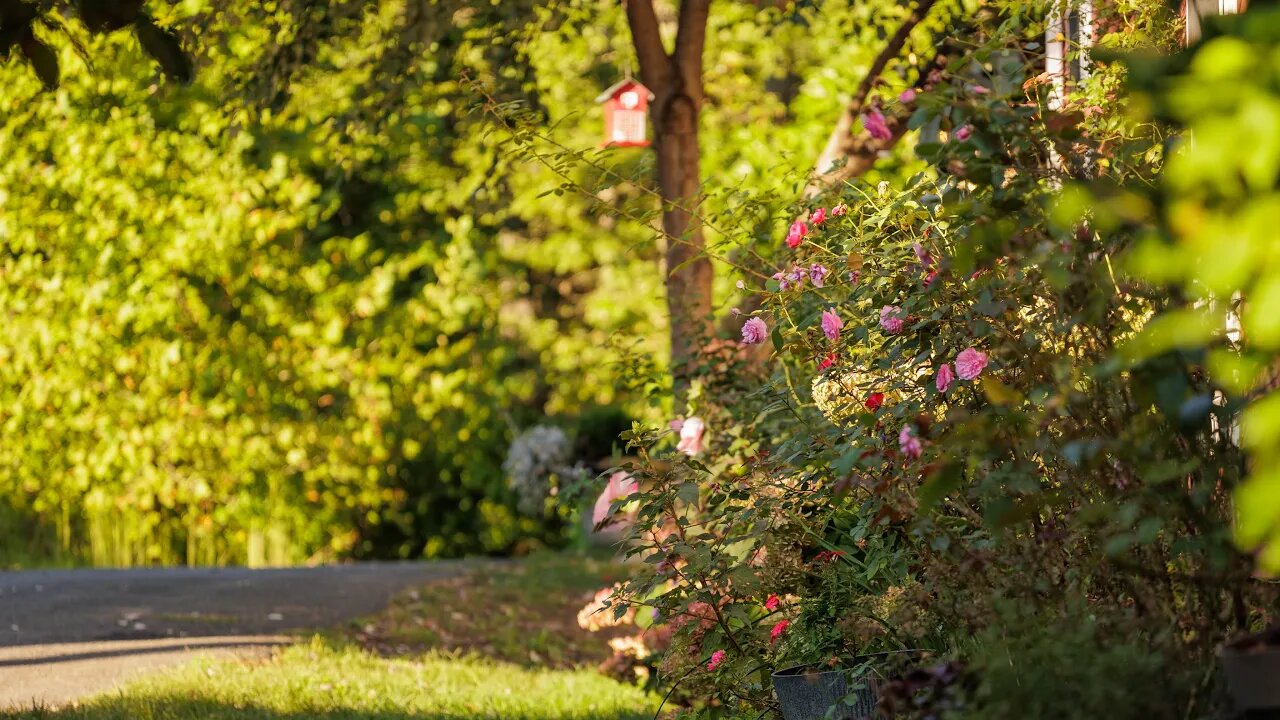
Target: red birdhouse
point(626, 110)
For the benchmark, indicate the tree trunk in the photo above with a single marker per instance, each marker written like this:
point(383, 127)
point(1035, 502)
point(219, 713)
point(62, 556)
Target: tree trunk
point(689, 271)
point(676, 82)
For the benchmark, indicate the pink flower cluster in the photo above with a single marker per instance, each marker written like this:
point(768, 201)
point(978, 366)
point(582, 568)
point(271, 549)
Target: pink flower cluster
point(875, 124)
point(717, 657)
point(796, 235)
point(816, 273)
point(909, 443)
point(892, 319)
point(969, 365)
point(831, 325)
point(691, 432)
point(620, 485)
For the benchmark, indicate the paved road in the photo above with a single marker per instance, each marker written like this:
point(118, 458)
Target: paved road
point(67, 633)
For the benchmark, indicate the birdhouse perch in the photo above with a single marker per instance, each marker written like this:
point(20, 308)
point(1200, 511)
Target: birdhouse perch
point(626, 110)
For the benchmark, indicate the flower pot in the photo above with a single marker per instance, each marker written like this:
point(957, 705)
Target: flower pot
point(1252, 671)
point(806, 693)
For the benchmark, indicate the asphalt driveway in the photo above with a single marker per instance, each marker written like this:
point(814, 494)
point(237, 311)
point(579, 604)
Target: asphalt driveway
point(68, 633)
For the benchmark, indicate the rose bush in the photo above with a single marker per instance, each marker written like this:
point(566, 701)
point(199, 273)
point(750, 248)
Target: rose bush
point(954, 448)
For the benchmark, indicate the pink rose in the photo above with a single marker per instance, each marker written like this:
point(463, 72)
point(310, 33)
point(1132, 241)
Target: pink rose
point(907, 96)
point(962, 133)
point(778, 629)
point(796, 234)
point(909, 443)
point(717, 657)
point(771, 603)
point(828, 361)
point(691, 436)
point(979, 89)
point(831, 324)
point(970, 363)
point(754, 331)
point(928, 279)
point(945, 378)
point(818, 216)
point(620, 485)
point(875, 125)
point(839, 210)
point(891, 319)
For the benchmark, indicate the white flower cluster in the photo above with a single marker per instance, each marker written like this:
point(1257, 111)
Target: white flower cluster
point(534, 457)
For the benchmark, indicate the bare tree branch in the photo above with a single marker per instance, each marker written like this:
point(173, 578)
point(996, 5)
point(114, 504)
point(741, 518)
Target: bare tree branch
point(860, 153)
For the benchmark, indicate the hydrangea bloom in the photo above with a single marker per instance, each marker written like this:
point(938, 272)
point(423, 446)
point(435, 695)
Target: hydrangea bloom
point(818, 216)
point(891, 319)
point(874, 401)
point(962, 133)
point(970, 363)
point(909, 443)
point(908, 95)
point(620, 485)
point(945, 378)
point(818, 274)
point(831, 325)
point(778, 629)
point(771, 603)
point(717, 657)
point(796, 235)
point(875, 124)
point(839, 210)
point(691, 436)
point(534, 456)
point(754, 331)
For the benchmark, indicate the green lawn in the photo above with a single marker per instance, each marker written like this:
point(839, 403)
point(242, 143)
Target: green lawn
point(495, 645)
point(321, 682)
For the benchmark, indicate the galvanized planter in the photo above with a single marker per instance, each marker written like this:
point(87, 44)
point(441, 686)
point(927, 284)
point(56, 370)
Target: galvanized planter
point(1253, 679)
point(805, 693)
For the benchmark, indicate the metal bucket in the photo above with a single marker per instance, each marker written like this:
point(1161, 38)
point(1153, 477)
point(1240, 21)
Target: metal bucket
point(804, 693)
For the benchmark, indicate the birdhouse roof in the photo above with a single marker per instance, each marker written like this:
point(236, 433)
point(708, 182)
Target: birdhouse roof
point(617, 88)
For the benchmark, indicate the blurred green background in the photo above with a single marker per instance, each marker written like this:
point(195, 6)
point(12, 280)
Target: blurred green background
point(296, 310)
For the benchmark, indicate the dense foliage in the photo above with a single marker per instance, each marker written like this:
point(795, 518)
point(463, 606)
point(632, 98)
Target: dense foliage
point(989, 430)
point(300, 307)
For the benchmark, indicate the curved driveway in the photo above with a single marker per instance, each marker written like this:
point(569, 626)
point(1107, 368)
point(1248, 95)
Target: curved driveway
point(68, 633)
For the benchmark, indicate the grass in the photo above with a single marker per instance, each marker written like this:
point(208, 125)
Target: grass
point(525, 614)
point(500, 644)
point(322, 682)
